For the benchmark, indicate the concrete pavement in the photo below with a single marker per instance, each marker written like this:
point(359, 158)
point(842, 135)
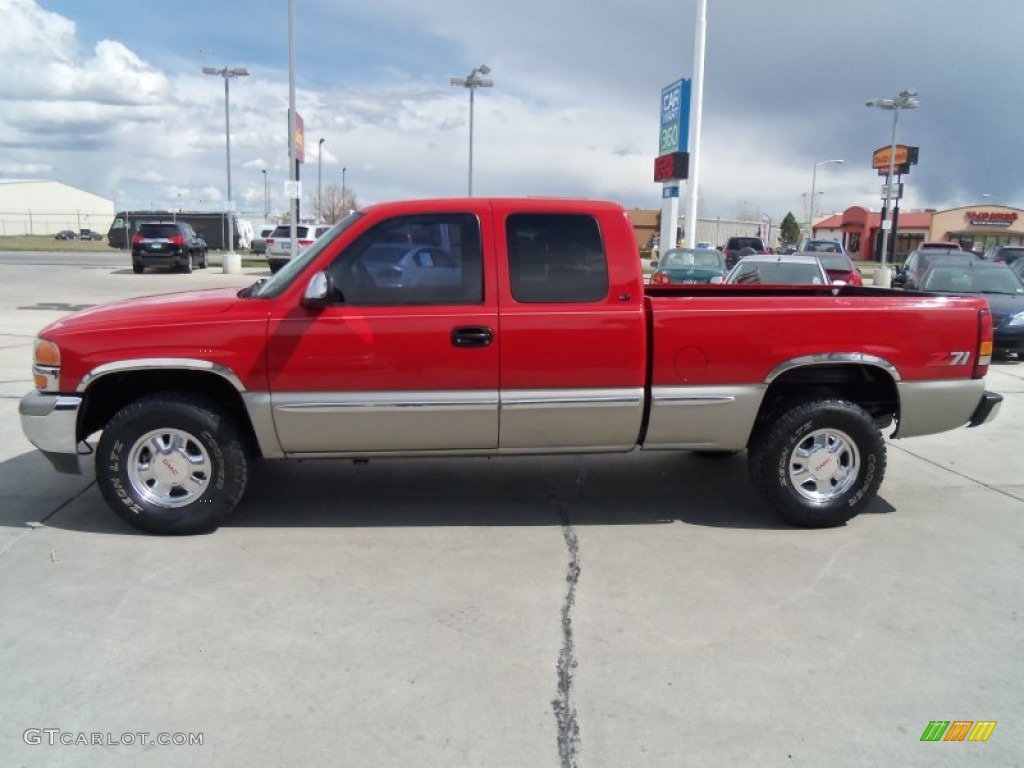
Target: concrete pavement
point(639, 610)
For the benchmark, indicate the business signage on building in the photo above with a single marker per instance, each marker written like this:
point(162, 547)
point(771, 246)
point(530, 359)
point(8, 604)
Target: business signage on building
point(905, 157)
point(991, 218)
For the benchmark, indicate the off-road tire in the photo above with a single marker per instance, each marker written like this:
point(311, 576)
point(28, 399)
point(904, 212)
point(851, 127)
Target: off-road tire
point(818, 463)
point(172, 463)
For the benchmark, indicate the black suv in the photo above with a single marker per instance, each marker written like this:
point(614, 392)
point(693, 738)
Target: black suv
point(908, 275)
point(168, 244)
point(736, 244)
point(89, 234)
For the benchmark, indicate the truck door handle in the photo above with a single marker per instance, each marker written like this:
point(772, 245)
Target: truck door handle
point(472, 336)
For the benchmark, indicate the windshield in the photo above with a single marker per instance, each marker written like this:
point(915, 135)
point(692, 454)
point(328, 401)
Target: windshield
point(955, 279)
point(822, 246)
point(835, 261)
point(275, 286)
point(709, 259)
point(776, 273)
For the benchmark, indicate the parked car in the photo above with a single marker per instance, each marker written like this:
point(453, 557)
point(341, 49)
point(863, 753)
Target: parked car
point(1007, 254)
point(998, 283)
point(908, 275)
point(734, 245)
point(279, 244)
point(778, 269)
point(689, 265)
point(168, 244)
point(65, 234)
point(259, 243)
point(89, 234)
point(839, 268)
point(821, 246)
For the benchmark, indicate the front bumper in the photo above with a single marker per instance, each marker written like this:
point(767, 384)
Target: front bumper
point(50, 422)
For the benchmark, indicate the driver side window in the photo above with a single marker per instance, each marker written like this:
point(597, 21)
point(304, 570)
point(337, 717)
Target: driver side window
point(413, 260)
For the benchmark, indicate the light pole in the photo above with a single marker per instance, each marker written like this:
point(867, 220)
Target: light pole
point(266, 197)
point(344, 208)
point(906, 100)
point(472, 82)
point(814, 184)
point(227, 73)
point(319, 176)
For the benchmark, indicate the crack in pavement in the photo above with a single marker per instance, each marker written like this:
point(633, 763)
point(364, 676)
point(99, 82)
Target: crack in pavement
point(42, 522)
point(563, 704)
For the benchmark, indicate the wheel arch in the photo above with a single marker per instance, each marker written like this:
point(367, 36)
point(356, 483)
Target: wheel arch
point(868, 381)
point(109, 388)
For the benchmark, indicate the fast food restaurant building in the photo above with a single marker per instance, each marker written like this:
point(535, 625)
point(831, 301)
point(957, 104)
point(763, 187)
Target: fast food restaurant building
point(975, 227)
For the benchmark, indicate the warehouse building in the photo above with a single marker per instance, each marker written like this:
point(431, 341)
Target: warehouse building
point(41, 207)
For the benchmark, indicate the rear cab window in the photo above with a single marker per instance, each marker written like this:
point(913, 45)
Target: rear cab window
point(556, 257)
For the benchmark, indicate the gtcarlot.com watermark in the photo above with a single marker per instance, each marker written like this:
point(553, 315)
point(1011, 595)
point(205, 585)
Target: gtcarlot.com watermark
point(55, 737)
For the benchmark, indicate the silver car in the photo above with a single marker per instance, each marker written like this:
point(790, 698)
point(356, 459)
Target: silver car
point(766, 269)
point(279, 244)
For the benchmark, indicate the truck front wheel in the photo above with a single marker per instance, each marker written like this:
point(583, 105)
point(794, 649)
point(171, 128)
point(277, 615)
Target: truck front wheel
point(172, 464)
point(819, 463)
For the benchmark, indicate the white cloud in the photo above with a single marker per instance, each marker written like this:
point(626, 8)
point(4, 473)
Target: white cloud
point(573, 110)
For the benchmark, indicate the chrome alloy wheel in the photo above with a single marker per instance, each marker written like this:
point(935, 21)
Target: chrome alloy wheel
point(169, 468)
point(824, 465)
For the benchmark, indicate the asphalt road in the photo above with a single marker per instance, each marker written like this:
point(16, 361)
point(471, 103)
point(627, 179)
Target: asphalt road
point(638, 610)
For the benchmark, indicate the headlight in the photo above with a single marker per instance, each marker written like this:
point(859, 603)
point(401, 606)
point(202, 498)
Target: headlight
point(1017, 319)
point(46, 366)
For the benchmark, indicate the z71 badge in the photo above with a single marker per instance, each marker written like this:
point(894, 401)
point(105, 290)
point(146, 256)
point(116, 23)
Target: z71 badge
point(942, 359)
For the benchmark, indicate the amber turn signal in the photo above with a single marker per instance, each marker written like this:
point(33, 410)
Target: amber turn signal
point(46, 353)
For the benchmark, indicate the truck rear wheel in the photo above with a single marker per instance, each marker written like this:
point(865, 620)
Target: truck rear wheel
point(819, 463)
point(172, 464)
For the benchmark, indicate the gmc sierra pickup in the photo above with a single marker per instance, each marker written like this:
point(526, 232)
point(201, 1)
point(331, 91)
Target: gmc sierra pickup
point(498, 327)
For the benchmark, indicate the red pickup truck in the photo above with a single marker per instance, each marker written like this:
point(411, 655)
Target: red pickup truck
point(498, 327)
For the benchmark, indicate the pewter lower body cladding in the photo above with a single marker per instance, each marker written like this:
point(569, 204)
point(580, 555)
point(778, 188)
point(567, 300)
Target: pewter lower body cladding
point(703, 418)
point(420, 423)
point(571, 420)
point(376, 422)
point(928, 407)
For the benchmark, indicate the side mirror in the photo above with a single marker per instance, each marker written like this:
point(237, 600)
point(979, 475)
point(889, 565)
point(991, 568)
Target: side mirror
point(718, 280)
point(318, 291)
point(654, 263)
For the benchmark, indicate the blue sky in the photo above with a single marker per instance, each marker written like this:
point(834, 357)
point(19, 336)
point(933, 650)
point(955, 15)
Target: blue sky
point(109, 96)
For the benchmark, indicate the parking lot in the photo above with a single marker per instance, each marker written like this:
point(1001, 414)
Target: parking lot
point(635, 610)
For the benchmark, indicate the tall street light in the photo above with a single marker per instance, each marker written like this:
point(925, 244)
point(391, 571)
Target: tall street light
point(227, 73)
point(472, 82)
point(906, 100)
point(814, 184)
point(344, 209)
point(319, 177)
point(266, 196)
